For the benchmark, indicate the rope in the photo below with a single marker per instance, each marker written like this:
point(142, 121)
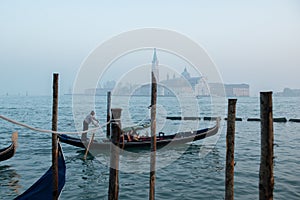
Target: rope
point(49, 131)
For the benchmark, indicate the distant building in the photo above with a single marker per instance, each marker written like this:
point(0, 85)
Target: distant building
point(108, 86)
point(186, 74)
point(96, 91)
point(287, 92)
point(216, 89)
point(237, 90)
point(185, 85)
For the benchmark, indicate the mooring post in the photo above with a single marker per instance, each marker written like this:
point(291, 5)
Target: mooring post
point(108, 114)
point(153, 136)
point(113, 190)
point(266, 179)
point(229, 182)
point(54, 137)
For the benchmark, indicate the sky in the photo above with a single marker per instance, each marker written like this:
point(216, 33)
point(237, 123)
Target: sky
point(254, 42)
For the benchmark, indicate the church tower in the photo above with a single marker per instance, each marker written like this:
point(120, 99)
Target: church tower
point(186, 74)
point(155, 66)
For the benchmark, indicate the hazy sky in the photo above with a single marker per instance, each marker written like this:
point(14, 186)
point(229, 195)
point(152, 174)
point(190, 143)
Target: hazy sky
point(255, 42)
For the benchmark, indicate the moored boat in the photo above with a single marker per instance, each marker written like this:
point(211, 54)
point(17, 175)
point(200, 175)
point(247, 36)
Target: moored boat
point(8, 152)
point(42, 189)
point(145, 141)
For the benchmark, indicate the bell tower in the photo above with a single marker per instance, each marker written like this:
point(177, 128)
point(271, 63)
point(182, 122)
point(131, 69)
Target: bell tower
point(155, 66)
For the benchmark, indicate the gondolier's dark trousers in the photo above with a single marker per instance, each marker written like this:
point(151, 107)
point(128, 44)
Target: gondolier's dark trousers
point(85, 127)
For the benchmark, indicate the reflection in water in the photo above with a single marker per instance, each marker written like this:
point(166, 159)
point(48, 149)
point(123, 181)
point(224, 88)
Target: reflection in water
point(89, 178)
point(9, 180)
point(212, 162)
point(138, 161)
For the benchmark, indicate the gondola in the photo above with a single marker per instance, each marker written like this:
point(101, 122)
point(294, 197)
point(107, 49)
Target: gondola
point(8, 152)
point(144, 142)
point(42, 189)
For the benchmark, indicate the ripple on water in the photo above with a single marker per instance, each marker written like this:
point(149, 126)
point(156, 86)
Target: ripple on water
point(188, 174)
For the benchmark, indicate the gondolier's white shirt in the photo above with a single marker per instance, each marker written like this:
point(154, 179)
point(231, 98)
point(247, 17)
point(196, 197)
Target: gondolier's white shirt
point(91, 119)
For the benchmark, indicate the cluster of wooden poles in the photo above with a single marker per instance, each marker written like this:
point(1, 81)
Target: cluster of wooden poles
point(113, 191)
point(114, 126)
point(266, 179)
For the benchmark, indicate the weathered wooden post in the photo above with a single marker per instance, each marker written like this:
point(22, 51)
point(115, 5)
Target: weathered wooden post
point(153, 136)
point(266, 179)
point(113, 190)
point(229, 182)
point(54, 137)
point(108, 114)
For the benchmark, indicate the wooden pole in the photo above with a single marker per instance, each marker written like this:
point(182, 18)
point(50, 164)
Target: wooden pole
point(108, 114)
point(54, 137)
point(153, 136)
point(229, 182)
point(266, 179)
point(113, 190)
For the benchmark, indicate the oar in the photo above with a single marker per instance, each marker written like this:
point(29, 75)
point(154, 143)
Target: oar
point(90, 142)
point(88, 147)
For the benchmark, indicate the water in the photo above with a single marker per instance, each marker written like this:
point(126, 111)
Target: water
point(185, 172)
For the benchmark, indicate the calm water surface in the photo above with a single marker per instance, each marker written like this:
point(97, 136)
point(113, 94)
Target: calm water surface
point(194, 171)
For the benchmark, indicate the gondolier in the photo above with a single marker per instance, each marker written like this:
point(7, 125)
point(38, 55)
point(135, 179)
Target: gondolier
point(89, 119)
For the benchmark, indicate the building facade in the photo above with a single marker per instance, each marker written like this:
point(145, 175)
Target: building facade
point(237, 90)
point(185, 85)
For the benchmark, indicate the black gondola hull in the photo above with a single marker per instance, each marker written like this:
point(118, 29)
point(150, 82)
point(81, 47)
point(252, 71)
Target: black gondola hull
point(145, 142)
point(9, 152)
